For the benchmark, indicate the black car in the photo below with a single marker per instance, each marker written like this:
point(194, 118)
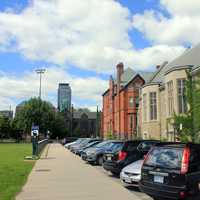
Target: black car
point(95, 155)
point(172, 171)
point(130, 152)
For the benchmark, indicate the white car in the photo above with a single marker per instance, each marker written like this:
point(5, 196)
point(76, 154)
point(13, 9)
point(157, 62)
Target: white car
point(131, 174)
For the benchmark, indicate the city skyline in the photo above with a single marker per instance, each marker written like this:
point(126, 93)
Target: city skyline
point(72, 46)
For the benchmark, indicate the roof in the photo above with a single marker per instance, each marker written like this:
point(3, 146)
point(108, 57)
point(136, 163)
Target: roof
point(190, 58)
point(127, 76)
point(79, 114)
point(146, 75)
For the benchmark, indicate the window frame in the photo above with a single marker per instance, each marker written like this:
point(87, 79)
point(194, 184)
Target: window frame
point(181, 96)
point(153, 106)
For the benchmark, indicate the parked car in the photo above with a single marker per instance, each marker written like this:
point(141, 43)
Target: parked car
point(78, 142)
point(131, 174)
point(95, 155)
point(84, 143)
point(69, 144)
point(131, 152)
point(92, 144)
point(172, 171)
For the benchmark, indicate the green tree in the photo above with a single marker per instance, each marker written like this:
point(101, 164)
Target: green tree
point(5, 127)
point(42, 113)
point(59, 126)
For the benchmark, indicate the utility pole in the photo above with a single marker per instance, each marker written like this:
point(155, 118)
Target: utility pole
point(71, 123)
point(97, 123)
point(40, 72)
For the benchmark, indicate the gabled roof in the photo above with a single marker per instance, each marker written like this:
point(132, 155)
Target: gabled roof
point(190, 58)
point(127, 76)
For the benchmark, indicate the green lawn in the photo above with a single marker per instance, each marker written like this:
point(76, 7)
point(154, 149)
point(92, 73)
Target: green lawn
point(13, 169)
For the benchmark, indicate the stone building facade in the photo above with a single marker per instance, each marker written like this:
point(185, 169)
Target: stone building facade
point(164, 94)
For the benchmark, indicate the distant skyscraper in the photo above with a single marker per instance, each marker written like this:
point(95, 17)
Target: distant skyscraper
point(64, 97)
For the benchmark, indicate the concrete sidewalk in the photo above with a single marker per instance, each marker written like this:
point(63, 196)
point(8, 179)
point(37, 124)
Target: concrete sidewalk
point(63, 176)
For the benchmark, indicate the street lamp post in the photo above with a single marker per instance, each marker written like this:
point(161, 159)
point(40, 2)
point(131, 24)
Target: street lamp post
point(40, 72)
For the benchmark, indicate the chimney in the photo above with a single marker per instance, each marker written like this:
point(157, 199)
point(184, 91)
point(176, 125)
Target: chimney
point(157, 66)
point(120, 71)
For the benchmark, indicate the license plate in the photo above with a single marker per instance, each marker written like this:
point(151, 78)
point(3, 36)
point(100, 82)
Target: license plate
point(127, 180)
point(158, 179)
point(109, 158)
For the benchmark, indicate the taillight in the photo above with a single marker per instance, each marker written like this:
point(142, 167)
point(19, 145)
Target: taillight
point(122, 155)
point(146, 157)
point(185, 160)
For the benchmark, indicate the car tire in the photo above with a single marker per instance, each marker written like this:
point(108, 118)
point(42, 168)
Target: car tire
point(115, 173)
point(100, 160)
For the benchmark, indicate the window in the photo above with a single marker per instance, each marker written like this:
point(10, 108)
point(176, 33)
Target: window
point(131, 121)
point(131, 102)
point(137, 101)
point(165, 157)
point(170, 98)
point(182, 103)
point(153, 106)
point(144, 107)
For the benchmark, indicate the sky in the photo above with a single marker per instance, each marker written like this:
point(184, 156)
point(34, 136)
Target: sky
point(81, 42)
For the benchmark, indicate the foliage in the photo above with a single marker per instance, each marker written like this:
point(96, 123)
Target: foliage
point(14, 170)
point(190, 120)
point(59, 127)
point(110, 136)
point(42, 113)
point(5, 126)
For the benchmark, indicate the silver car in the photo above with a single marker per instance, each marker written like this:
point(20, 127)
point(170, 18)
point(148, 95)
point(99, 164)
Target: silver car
point(131, 174)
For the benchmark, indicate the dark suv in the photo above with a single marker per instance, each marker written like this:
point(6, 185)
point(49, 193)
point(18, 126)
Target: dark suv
point(130, 152)
point(172, 171)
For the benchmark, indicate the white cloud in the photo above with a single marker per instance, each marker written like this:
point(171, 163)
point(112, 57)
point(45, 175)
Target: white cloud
point(181, 28)
point(89, 34)
point(84, 89)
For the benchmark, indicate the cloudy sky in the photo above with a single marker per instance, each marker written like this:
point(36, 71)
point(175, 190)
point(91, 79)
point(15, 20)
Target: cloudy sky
point(81, 41)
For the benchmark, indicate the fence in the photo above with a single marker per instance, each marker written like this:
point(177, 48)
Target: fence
point(41, 145)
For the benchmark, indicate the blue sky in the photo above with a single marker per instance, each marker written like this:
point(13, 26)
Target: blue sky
point(83, 46)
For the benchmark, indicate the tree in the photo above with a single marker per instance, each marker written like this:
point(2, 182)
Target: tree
point(5, 127)
point(42, 113)
point(59, 127)
point(190, 119)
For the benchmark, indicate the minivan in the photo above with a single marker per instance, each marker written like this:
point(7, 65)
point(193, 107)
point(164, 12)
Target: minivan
point(171, 171)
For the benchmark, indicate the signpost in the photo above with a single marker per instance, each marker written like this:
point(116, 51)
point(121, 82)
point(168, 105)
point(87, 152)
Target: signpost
point(34, 137)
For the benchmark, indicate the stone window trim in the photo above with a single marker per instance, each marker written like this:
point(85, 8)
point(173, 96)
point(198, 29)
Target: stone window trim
point(153, 106)
point(170, 97)
point(144, 104)
point(181, 95)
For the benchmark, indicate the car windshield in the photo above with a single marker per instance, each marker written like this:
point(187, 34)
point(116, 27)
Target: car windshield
point(102, 144)
point(79, 140)
point(91, 144)
point(165, 157)
point(115, 146)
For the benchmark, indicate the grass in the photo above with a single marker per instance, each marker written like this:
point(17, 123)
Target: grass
point(13, 169)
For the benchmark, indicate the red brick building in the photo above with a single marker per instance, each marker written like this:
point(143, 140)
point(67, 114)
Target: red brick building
point(121, 102)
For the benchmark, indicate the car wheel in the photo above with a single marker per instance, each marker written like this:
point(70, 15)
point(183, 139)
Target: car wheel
point(115, 173)
point(100, 160)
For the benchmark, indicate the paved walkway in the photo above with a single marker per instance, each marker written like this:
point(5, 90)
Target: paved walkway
point(63, 176)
